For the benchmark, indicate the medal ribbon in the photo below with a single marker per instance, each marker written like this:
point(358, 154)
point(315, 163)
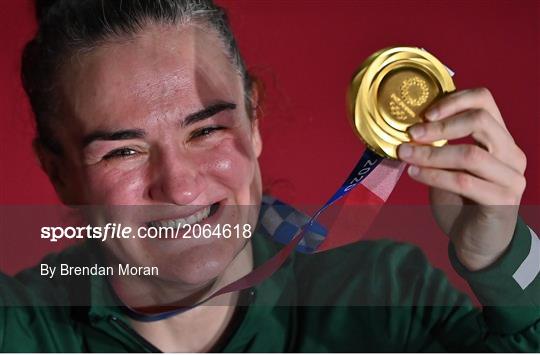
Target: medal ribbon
point(370, 183)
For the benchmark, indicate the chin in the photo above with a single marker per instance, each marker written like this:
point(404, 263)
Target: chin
point(198, 265)
point(186, 264)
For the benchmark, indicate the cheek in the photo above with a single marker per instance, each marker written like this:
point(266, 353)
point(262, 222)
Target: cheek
point(232, 163)
point(116, 187)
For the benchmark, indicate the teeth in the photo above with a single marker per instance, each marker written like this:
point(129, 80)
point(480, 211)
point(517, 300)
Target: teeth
point(174, 223)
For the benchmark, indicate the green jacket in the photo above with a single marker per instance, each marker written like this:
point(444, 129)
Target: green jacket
point(370, 296)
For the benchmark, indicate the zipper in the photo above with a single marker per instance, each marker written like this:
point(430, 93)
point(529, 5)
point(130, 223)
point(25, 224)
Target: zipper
point(119, 323)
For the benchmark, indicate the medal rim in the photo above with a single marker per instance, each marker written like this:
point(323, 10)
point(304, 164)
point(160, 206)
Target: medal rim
point(366, 117)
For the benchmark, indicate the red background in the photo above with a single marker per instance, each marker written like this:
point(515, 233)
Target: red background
point(305, 52)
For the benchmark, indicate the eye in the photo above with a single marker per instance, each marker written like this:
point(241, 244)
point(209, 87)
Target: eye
point(206, 131)
point(120, 153)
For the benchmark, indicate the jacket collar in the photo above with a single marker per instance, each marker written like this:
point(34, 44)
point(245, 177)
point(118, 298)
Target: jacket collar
point(280, 222)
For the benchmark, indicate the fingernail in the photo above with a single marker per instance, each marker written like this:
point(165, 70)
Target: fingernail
point(405, 150)
point(431, 114)
point(413, 170)
point(417, 131)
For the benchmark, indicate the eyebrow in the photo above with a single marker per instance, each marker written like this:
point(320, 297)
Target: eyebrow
point(190, 119)
point(113, 136)
point(207, 112)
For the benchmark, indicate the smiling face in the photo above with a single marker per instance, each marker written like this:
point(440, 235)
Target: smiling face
point(159, 121)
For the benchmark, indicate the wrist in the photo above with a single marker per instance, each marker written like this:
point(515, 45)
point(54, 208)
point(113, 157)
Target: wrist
point(475, 262)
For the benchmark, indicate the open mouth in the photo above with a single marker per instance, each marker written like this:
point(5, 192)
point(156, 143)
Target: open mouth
point(194, 218)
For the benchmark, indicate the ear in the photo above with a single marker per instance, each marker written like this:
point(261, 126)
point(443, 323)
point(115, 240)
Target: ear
point(51, 163)
point(256, 137)
point(255, 132)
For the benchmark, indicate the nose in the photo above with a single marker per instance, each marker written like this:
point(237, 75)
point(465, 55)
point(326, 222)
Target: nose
point(176, 179)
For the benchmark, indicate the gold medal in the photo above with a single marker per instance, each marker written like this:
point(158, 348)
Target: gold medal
point(390, 93)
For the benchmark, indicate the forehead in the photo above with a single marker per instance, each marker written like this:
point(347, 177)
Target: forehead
point(162, 70)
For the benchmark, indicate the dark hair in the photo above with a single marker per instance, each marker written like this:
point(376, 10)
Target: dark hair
point(69, 26)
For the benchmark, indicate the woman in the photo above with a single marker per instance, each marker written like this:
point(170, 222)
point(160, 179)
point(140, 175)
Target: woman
point(148, 104)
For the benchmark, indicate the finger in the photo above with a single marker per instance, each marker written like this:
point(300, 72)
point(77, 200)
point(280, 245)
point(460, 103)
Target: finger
point(476, 122)
point(465, 157)
point(464, 184)
point(482, 127)
point(479, 98)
